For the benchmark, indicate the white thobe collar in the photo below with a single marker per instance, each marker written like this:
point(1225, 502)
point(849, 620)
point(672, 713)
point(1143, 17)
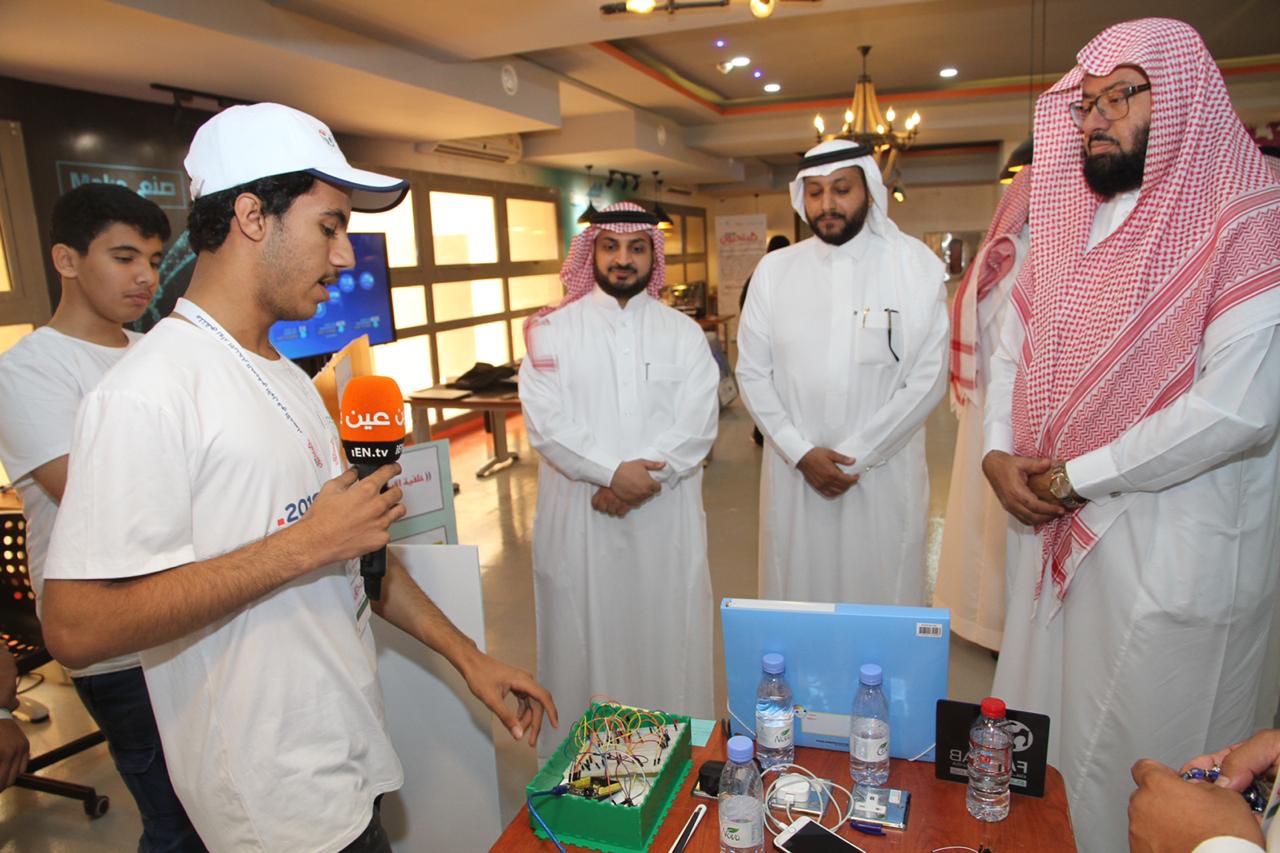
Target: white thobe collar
point(609, 304)
point(1111, 214)
point(853, 250)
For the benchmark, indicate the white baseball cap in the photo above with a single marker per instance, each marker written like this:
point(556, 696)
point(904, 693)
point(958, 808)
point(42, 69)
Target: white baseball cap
point(245, 143)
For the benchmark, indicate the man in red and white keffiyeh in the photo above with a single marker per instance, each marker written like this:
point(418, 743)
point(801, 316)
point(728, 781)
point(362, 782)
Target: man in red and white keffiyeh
point(619, 397)
point(1132, 418)
point(972, 557)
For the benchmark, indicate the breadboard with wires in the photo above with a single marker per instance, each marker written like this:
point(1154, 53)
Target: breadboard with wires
point(621, 766)
point(619, 755)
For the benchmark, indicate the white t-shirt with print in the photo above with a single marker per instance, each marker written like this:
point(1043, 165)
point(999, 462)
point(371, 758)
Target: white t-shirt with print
point(271, 718)
point(43, 378)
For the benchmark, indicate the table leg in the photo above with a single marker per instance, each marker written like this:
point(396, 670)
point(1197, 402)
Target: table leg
point(495, 423)
point(421, 422)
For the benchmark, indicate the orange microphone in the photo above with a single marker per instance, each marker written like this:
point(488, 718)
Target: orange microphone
point(371, 424)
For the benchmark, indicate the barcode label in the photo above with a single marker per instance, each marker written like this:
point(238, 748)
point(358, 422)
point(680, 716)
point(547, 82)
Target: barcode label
point(928, 629)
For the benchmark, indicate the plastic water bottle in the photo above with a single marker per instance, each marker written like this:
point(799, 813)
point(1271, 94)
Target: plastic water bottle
point(775, 714)
point(990, 755)
point(869, 729)
point(741, 800)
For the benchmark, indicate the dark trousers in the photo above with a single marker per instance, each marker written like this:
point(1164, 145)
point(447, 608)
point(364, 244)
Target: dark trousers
point(374, 838)
point(120, 705)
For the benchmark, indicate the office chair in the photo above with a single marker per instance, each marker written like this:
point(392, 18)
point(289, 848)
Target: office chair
point(20, 634)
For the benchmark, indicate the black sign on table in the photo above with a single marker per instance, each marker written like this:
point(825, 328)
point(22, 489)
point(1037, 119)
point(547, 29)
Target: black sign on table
point(1030, 745)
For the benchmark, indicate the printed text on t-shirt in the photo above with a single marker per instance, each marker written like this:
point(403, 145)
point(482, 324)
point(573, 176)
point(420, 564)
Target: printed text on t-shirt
point(295, 510)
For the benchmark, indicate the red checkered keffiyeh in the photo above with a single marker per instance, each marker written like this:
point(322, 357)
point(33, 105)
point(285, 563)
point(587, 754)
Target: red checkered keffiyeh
point(979, 280)
point(1114, 335)
point(578, 273)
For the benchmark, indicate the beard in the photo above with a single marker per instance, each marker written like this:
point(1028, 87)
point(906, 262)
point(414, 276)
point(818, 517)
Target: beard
point(852, 225)
point(619, 291)
point(1116, 171)
point(278, 293)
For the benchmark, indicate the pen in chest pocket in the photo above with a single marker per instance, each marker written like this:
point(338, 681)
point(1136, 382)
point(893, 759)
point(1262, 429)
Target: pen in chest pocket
point(868, 313)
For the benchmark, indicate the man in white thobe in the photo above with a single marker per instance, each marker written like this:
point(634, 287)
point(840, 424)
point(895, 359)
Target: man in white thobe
point(1131, 422)
point(971, 560)
point(619, 396)
point(841, 357)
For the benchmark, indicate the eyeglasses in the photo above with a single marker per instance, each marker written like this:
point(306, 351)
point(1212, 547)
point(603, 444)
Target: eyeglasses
point(1111, 106)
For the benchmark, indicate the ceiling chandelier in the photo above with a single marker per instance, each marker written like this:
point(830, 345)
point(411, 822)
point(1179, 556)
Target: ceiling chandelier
point(864, 123)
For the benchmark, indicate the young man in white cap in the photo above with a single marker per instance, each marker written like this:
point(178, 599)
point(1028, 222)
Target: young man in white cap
point(841, 357)
point(619, 395)
point(182, 534)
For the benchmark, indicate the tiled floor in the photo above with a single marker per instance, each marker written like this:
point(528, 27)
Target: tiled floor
point(497, 515)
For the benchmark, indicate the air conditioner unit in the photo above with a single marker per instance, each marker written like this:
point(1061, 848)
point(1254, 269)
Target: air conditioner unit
point(505, 148)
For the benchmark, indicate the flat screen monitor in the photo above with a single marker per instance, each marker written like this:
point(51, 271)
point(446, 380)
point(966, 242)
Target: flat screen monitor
point(359, 304)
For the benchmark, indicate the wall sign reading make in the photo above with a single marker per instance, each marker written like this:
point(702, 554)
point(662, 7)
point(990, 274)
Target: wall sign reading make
point(166, 187)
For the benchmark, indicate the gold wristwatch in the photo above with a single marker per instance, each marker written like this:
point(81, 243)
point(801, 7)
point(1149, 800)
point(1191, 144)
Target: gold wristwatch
point(1060, 487)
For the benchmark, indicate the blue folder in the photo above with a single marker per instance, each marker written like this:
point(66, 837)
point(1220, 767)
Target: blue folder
point(824, 646)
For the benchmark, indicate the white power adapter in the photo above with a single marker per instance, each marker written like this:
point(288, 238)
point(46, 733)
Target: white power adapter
point(792, 788)
point(800, 794)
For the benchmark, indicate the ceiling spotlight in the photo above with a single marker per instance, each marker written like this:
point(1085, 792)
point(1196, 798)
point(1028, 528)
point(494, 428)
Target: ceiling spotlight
point(948, 72)
point(741, 61)
point(720, 42)
point(762, 8)
point(772, 87)
point(757, 74)
point(724, 67)
point(641, 7)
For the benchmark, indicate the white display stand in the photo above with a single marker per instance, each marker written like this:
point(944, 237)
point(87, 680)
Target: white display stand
point(441, 732)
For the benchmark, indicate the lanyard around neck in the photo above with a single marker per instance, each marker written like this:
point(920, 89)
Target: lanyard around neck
point(188, 310)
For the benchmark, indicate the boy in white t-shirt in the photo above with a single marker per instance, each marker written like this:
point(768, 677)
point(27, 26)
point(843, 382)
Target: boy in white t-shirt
point(211, 523)
point(107, 243)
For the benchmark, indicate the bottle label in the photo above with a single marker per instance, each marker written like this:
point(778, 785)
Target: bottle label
point(985, 759)
point(741, 834)
point(774, 734)
point(871, 748)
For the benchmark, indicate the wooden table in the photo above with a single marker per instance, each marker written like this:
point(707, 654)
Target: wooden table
point(937, 816)
point(496, 407)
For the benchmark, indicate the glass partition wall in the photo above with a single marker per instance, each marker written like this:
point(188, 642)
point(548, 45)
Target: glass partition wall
point(470, 259)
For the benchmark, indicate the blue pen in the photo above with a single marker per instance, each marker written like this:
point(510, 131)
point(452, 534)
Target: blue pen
point(867, 828)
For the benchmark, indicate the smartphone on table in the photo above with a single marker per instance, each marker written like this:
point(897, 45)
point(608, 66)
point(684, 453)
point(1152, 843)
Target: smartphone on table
point(808, 836)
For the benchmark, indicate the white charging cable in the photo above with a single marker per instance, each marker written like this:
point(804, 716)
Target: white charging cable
point(815, 783)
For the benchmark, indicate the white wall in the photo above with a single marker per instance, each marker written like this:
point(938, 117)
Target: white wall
point(964, 207)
